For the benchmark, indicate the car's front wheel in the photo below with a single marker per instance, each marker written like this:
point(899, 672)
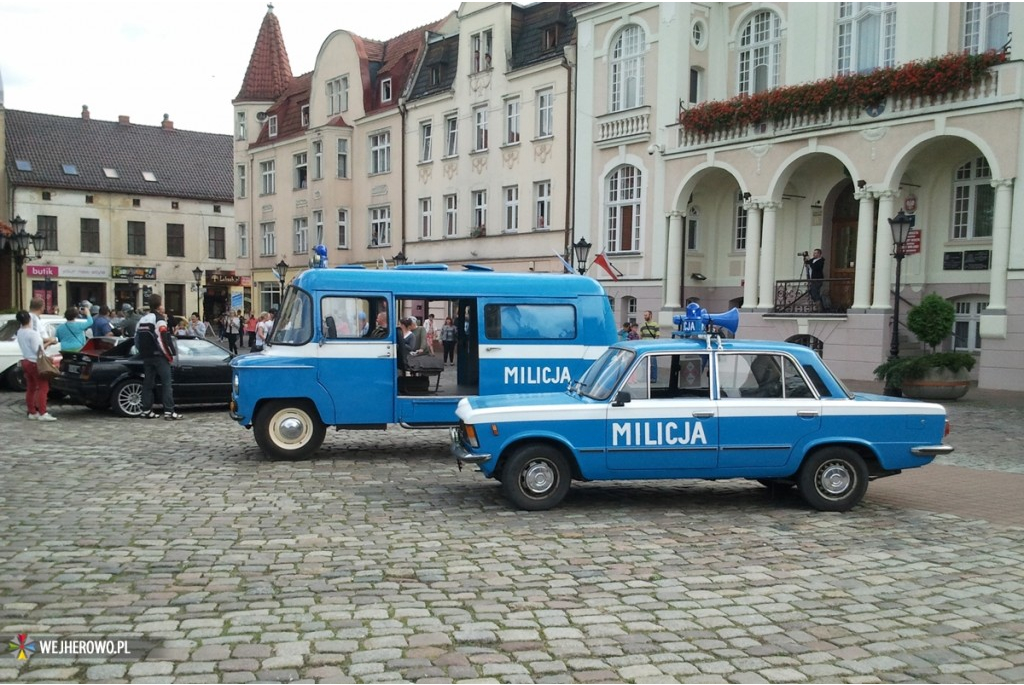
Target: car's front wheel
point(536, 477)
point(288, 429)
point(126, 399)
point(833, 479)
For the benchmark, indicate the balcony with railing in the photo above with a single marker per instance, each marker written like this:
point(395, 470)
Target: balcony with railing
point(794, 297)
point(627, 126)
point(916, 89)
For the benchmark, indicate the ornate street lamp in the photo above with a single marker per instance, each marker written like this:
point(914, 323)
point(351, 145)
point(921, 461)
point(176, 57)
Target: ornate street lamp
point(400, 259)
point(197, 273)
point(19, 240)
point(900, 226)
point(582, 250)
point(282, 273)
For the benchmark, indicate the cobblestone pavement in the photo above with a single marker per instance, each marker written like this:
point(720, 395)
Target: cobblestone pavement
point(378, 561)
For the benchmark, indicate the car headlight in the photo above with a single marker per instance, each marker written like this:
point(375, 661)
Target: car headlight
point(234, 383)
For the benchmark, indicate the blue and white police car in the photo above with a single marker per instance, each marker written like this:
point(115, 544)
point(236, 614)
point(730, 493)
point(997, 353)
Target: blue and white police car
point(699, 407)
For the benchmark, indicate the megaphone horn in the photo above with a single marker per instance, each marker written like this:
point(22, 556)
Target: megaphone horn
point(729, 320)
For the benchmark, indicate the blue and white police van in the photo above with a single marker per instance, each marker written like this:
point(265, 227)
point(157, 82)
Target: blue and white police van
point(699, 407)
point(334, 357)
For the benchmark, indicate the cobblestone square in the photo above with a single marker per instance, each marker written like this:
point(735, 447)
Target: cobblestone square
point(378, 561)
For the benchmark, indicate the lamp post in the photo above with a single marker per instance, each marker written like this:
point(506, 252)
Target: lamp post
point(582, 250)
point(400, 259)
point(197, 273)
point(20, 240)
point(900, 227)
point(282, 273)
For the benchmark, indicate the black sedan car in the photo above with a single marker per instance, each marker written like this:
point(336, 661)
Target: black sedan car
point(107, 373)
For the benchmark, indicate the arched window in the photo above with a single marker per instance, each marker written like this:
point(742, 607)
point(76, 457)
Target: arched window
point(986, 26)
point(760, 46)
point(866, 36)
point(623, 210)
point(973, 200)
point(627, 63)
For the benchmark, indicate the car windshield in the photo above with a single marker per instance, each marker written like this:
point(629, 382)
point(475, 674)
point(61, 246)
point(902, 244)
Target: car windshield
point(601, 379)
point(294, 324)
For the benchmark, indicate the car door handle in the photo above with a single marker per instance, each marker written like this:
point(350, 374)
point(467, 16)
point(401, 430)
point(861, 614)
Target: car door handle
point(807, 414)
point(703, 414)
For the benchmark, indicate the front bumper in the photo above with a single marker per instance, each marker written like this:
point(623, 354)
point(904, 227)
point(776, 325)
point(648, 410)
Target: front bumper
point(461, 454)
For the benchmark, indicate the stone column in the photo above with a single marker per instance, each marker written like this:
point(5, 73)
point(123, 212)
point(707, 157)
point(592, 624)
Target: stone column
point(766, 282)
point(865, 236)
point(883, 250)
point(993, 322)
point(674, 263)
point(750, 267)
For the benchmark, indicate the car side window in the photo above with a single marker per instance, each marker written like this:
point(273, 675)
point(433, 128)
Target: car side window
point(765, 375)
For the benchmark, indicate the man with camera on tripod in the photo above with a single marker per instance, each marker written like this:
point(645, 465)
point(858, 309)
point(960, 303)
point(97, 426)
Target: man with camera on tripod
point(814, 265)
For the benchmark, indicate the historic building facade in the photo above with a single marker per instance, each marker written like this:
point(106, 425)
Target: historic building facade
point(721, 209)
point(120, 210)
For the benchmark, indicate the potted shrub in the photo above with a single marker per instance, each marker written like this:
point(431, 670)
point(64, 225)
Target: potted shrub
point(936, 375)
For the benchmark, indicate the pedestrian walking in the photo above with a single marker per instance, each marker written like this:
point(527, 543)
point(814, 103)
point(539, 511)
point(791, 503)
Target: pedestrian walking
point(31, 345)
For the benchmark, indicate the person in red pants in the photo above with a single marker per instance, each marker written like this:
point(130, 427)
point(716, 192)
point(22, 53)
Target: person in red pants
point(37, 388)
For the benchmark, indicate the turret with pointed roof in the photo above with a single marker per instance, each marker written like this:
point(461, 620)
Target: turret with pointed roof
point(269, 73)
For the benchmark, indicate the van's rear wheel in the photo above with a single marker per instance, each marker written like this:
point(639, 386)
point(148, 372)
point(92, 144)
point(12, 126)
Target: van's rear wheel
point(536, 477)
point(288, 429)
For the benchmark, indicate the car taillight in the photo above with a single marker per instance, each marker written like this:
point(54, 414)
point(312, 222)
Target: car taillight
point(947, 429)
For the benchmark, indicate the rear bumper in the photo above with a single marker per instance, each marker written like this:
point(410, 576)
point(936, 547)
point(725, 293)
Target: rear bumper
point(931, 450)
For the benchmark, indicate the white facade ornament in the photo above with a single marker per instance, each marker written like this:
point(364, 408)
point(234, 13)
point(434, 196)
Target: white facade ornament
point(542, 151)
point(450, 169)
point(510, 156)
point(873, 135)
point(759, 151)
point(480, 164)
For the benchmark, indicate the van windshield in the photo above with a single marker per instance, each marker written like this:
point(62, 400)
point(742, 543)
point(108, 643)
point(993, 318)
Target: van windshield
point(294, 324)
point(601, 379)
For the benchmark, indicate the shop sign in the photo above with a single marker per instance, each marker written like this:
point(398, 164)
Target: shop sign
point(140, 273)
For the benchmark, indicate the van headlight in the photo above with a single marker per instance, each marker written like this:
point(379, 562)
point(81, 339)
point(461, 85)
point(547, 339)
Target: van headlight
point(234, 383)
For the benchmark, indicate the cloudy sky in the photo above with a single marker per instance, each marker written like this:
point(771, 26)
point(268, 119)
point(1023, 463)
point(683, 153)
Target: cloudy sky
point(185, 58)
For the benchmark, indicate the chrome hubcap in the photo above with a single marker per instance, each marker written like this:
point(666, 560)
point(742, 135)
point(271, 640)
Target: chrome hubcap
point(538, 477)
point(291, 429)
point(834, 479)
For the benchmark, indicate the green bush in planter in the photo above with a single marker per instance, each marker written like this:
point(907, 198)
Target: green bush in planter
point(932, 322)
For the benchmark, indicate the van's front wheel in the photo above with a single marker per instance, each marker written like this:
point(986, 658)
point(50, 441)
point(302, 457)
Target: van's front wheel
point(288, 429)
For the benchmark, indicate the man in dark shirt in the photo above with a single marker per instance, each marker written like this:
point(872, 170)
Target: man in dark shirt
point(815, 265)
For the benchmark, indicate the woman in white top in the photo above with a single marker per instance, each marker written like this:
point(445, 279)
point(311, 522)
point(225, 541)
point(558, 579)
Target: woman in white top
point(37, 388)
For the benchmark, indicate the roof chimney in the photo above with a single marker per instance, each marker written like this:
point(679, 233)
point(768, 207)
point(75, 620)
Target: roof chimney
point(123, 119)
point(85, 112)
point(167, 123)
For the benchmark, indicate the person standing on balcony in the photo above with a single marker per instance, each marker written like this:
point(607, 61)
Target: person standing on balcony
point(815, 265)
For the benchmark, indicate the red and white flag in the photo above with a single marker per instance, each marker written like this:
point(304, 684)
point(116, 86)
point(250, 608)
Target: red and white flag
point(603, 262)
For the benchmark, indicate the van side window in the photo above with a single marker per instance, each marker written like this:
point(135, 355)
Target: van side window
point(345, 318)
point(529, 321)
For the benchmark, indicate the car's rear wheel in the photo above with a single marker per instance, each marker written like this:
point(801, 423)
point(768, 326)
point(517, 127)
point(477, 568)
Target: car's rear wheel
point(126, 399)
point(288, 429)
point(536, 477)
point(15, 377)
point(833, 479)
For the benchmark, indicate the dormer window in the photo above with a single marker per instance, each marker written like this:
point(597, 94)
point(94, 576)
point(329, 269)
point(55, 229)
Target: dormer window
point(480, 48)
point(23, 165)
point(435, 75)
point(304, 114)
point(550, 37)
point(385, 90)
point(272, 126)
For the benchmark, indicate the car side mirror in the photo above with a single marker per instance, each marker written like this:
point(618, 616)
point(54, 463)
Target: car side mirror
point(621, 398)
